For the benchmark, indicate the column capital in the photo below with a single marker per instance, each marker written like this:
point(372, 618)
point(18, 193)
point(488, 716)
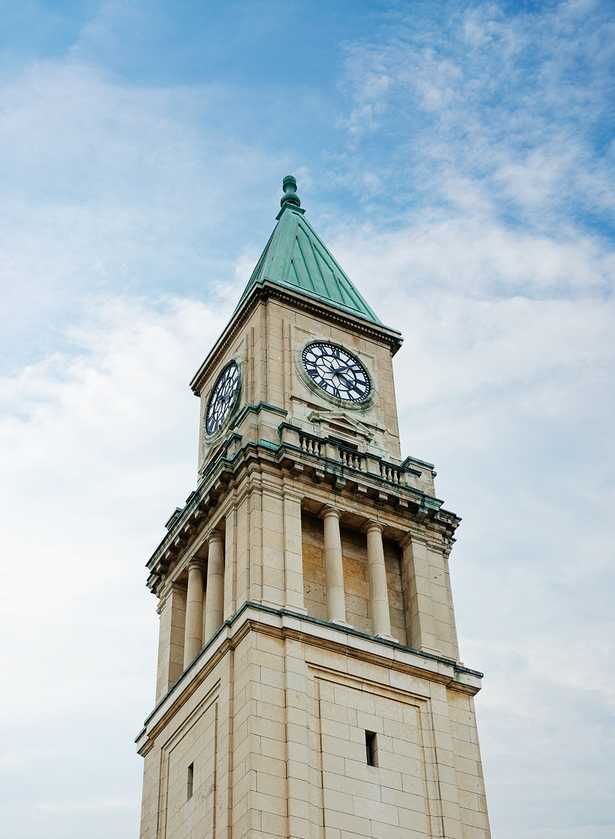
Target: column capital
point(407, 540)
point(330, 511)
point(195, 564)
point(293, 494)
point(215, 536)
point(371, 524)
point(163, 596)
point(165, 593)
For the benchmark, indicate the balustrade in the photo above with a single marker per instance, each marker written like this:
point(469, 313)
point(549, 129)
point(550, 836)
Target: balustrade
point(352, 459)
point(390, 473)
point(310, 445)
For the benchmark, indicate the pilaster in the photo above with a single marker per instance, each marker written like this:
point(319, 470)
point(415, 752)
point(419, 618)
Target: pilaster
point(427, 592)
point(230, 558)
point(172, 611)
point(293, 561)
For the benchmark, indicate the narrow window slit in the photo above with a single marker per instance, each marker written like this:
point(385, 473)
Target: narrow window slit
point(190, 785)
point(371, 748)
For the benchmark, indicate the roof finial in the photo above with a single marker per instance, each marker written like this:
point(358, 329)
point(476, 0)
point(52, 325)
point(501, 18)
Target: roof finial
point(289, 185)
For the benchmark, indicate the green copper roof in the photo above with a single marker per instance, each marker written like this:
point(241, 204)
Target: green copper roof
point(295, 257)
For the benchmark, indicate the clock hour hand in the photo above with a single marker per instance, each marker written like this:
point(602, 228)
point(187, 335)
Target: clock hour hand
point(348, 382)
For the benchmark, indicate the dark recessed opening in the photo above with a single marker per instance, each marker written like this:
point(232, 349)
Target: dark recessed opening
point(190, 785)
point(371, 748)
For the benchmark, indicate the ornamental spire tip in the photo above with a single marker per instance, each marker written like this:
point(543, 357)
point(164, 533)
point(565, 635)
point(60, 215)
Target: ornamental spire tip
point(290, 197)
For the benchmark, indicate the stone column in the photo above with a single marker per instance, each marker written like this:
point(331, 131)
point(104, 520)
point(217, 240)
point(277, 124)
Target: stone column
point(214, 614)
point(334, 568)
point(378, 590)
point(194, 611)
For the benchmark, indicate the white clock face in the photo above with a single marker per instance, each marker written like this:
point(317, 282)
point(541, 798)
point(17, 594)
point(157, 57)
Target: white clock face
point(336, 371)
point(223, 397)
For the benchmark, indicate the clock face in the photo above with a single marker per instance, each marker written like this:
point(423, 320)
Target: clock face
point(223, 397)
point(336, 371)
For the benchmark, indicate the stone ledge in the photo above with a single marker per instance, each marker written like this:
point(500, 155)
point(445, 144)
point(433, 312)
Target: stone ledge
point(309, 630)
point(185, 521)
point(301, 301)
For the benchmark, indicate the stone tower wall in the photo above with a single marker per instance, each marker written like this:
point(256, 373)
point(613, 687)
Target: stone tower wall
point(309, 683)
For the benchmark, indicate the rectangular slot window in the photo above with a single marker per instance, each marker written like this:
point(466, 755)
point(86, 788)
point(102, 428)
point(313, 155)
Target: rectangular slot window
point(190, 785)
point(371, 748)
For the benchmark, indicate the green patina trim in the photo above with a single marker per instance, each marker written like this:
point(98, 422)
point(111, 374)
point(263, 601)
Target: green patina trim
point(418, 460)
point(267, 444)
point(256, 409)
point(173, 517)
point(335, 467)
point(283, 425)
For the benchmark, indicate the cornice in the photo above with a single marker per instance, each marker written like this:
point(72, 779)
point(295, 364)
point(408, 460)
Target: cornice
point(418, 510)
point(301, 301)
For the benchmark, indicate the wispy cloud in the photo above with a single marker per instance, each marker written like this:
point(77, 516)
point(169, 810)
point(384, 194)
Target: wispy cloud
point(519, 103)
point(99, 445)
point(498, 245)
point(110, 187)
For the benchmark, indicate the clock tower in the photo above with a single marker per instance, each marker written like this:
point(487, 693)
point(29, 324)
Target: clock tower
point(309, 683)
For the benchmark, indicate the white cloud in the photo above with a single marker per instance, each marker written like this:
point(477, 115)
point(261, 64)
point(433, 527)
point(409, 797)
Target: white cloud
point(109, 186)
point(505, 380)
point(102, 442)
point(98, 447)
point(507, 301)
point(514, 102)
point(475, 255)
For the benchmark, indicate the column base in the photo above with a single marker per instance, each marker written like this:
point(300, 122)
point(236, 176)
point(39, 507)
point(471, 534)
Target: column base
point(345, 624)
point(296, 610)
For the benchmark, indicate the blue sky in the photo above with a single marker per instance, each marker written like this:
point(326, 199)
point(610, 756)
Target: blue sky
point(458, 158)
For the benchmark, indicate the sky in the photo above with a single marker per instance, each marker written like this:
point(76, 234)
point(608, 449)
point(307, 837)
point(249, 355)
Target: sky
point(458, 158)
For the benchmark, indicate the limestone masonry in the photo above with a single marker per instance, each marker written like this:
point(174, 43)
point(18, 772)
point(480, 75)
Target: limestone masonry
point(309, 682)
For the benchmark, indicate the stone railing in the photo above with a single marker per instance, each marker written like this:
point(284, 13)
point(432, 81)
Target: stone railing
point(330, 450)
point(389, 472)
point(352, 459)
point(310, 445)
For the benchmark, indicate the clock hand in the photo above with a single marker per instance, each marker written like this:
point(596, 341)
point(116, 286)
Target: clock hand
point(348, 382)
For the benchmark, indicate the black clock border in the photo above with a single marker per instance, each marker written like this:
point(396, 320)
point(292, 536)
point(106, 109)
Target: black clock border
point(337, 395)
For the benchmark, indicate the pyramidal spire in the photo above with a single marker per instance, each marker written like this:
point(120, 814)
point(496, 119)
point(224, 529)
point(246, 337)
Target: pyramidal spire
point(295, 257)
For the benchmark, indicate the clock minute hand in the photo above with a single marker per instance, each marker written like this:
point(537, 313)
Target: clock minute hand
point(348, 382)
